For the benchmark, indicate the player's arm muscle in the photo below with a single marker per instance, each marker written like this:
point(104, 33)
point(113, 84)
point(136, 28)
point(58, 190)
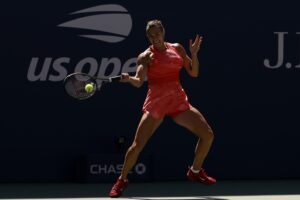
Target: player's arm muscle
point(143, 61)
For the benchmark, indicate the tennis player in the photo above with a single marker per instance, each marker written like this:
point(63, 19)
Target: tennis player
point(161, 63)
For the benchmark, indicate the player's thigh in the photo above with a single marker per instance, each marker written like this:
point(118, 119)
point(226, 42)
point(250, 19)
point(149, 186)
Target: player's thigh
point(146, 128)
point(194, 121)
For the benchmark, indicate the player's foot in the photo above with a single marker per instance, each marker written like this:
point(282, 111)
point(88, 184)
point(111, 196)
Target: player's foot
point(118, 188)
point(201, 177)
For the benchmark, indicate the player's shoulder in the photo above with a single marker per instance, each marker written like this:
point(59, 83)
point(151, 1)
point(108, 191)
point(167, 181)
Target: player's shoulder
point(145, 54)
point(179, 48)
point(176, 45)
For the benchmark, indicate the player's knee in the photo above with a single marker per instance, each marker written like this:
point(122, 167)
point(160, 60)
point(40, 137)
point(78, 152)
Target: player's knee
point(206, 135)
point(210, 134)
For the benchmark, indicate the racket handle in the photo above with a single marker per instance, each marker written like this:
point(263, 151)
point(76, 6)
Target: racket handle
point(115, 78)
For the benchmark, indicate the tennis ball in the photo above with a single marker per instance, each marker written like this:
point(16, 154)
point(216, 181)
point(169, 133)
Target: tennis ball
point(89, 88)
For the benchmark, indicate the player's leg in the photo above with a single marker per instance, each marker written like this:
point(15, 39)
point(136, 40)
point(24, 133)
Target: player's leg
point(145, 130)
point(194, 121)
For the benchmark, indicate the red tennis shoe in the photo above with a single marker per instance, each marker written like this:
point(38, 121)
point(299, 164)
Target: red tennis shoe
point(118, 188)
point(201, 177)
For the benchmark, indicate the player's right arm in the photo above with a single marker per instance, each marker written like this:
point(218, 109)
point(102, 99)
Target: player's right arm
point(143, 61)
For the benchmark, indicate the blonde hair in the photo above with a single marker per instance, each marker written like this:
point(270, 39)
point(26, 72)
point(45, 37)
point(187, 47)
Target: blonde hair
point(155, 23)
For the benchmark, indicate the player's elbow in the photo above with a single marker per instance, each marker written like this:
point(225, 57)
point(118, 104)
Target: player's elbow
point(194, 74)
point(139, 83)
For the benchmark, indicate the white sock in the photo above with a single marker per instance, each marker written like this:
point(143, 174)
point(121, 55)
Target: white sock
point(195, 171)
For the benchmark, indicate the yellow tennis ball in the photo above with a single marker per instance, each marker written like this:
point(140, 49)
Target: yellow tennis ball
point(89, 88)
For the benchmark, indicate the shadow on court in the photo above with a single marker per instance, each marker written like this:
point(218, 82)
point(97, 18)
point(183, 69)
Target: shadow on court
point(146, 191)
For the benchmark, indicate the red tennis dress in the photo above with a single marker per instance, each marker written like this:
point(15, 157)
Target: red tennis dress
point(165, 95)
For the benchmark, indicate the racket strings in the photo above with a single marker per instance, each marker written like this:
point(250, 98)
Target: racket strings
point(75, 86)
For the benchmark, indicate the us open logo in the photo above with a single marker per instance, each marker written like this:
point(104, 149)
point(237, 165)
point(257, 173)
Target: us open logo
point(111, 22)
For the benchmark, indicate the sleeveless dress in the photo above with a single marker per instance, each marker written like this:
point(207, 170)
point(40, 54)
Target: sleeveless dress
point(165, 96)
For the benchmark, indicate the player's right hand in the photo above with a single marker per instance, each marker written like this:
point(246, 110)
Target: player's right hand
point(125, 77)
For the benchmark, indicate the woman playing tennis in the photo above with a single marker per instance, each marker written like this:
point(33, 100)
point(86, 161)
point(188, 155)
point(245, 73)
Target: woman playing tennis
point(161, 63)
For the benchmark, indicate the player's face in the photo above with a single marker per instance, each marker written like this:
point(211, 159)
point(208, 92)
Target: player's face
point(156, 37)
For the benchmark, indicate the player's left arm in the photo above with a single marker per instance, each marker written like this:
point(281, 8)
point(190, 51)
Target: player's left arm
point(191, 64)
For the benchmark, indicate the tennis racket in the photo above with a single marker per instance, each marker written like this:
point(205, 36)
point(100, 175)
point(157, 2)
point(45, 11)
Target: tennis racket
point(75, 84)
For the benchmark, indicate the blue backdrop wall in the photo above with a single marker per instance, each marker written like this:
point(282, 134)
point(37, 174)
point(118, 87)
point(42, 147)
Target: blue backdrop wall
point(248, 89)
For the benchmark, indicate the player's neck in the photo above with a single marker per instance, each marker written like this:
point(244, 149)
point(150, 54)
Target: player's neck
point(160, 48)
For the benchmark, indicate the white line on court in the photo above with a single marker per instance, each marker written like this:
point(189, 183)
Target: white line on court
point(245, 197)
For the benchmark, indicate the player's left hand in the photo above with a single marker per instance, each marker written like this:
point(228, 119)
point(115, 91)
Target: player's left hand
point(195, 46)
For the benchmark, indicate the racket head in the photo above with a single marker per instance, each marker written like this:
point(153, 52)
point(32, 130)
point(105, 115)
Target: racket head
point(75, 85)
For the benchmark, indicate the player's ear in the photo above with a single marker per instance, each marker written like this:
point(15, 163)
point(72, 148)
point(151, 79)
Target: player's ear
point(148, 38)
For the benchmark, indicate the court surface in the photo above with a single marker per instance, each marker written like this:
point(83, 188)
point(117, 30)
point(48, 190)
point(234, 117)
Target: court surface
point(223, 190)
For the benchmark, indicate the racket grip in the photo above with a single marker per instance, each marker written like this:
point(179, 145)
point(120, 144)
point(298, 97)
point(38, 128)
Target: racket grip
point(115, 78)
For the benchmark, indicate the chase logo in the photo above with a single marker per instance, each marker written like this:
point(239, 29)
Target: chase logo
point(108, 23)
